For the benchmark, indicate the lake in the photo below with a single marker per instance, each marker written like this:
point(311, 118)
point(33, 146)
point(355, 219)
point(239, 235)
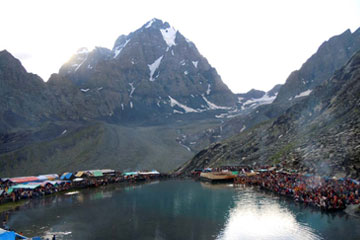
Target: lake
point(178, 209)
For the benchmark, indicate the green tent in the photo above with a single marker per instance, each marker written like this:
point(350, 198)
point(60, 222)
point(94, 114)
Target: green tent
point(97, 173)
point(26, 186)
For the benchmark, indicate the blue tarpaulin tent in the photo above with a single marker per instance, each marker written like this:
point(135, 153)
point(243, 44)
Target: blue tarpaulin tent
point(66, 176)
point(7, 235)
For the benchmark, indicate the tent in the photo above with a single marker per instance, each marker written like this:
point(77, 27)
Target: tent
point(7, 235)
point(24, 179)
point(48, 177)
point(107, 171)
point(26, 186)
point(353, 180)
point(66, 176)
point(78, 179)
point(130, 173)
point(97, 173)
point(153, 172)
point(80, 174)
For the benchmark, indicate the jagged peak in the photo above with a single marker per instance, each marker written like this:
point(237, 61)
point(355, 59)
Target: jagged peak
point(7, 59)
point(156, 23)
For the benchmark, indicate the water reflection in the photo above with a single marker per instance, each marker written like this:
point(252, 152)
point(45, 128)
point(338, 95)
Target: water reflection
point(177, 210)
point(255, 217)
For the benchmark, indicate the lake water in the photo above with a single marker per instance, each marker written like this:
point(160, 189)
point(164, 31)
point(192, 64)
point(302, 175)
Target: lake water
point(178, 210)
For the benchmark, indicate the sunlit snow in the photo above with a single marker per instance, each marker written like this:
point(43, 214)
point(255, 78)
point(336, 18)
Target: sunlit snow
point(303, 94)
point(120, 47)
point(208, 89)
point(169, 36)
point(187, 109)
point(132, 89)
point(213, 106)
point(266, 99)
point(150, 23)
point(195, 63)
point(153, 67)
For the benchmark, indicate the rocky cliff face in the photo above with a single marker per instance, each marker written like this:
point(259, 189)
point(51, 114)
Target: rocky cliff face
point(319, 134)
point(331, 56)
point(154, 71)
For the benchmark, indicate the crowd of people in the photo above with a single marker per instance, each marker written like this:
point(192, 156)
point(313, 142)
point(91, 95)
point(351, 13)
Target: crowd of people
point(325, 193)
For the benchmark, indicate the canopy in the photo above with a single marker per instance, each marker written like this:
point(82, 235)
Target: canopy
point(48, 177)
point(131, 173)
point(66, 175)
point(26, 186)
point(80, 174)
point(353, 180)
point(107, 171)
point(24, 179)
point(7, 235)
point(78, 179)
point(153, 172)
point(97, 173)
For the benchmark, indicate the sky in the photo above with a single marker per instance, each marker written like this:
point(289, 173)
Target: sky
point(252, 44)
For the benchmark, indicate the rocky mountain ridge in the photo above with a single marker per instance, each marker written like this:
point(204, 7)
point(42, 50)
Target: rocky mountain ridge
point(152, 71)
point(330, 56)
point(319, 134)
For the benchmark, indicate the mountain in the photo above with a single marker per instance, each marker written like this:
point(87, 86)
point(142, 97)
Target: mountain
point(330, 56)
point(151, 74)
point(319, 134)
point(127, 108)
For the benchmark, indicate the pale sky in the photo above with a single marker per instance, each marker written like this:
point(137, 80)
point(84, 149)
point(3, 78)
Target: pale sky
point(252, 44)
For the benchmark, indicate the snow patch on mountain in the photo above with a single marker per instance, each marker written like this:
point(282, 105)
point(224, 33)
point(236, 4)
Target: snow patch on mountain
point(119, 48)
point(187, 109)
point(195, 63)
point(303, 94)
point(208, 91)
point(148, 25)
point(169, 36)
point(85, 90)
point(240, 99)
point(243, 128)
point(132, 89)
point(153, 67)
point(213, 106)
point(266, 99)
